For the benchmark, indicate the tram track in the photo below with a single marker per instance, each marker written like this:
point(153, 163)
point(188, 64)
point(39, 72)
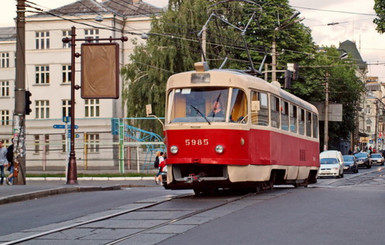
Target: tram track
point(145, 207)
point(206, 209)
point(179, 219)
point(78, 224)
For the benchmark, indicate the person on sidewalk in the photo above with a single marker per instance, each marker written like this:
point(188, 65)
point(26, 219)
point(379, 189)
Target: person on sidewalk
point(158, 177)
point(3, 160)
point(9, 179)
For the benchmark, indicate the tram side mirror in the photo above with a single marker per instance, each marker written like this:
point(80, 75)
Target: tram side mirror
point(255, 106)
point(148, 109)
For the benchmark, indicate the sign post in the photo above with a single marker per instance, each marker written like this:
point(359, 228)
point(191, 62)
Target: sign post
point(72, 169)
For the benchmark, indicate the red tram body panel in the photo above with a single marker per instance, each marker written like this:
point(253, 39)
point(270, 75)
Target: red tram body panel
point(226, 129)
point(260, 147)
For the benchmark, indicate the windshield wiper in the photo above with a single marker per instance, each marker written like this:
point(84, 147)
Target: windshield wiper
point(200, 113)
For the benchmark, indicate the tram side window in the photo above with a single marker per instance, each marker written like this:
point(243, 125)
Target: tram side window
point(275, 112)
point(259, 109)
point(285, 115)
point(293, 118)
point(301, 124)
point(308, 124)
point(315, 126)
point(238, 107)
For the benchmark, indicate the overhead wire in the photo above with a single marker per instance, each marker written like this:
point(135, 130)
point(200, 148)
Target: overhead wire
point(334, 11)
point(106, 27)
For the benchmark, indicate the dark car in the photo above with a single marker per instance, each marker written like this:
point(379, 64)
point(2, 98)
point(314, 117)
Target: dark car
point(350, 164)
point(377, 158)
point(363, 159)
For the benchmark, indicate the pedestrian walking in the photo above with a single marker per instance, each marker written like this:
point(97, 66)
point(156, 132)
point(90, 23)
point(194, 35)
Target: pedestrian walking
point(158, 177)
point(9, 179)
point(3, 160)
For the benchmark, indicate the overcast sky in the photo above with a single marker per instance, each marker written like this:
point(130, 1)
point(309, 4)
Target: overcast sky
point(354, 18)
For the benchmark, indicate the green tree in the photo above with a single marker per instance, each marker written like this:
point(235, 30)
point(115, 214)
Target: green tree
point(173, 47)
point(344, 88)
point(379, 7)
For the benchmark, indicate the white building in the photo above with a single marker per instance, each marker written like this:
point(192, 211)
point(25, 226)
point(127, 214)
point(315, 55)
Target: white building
point(48, 78)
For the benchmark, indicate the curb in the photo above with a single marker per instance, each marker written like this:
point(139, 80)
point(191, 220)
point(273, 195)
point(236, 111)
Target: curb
point(89, 178)
point(55, 191)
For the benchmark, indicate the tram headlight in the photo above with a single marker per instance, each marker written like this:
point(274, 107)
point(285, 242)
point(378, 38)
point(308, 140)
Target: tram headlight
point(219, 149)
point(174, 149)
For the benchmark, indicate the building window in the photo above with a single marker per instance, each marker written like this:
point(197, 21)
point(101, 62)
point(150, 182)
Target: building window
point(4, 117)
point(63, 142)
point(66, 108)
point(92, 108)
point(37, 143)
point(67, 34)
point(4, 60)
point(92, 33)
point(46, 143)
point(93, 143)
point(4, 88)
point(66, 74)
point(42, 40)
point(42, 74)
point(42, 109)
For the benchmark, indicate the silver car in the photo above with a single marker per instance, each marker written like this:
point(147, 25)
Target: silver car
point(377, 158)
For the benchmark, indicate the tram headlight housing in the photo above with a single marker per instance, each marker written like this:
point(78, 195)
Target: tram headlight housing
point(219, 149)
point(174, 149)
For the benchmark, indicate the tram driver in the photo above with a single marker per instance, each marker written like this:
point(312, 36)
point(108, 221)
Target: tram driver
point(216, 110)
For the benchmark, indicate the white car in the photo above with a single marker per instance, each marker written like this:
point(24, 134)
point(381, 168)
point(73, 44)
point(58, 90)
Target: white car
point(377, 158)
point(331, 164)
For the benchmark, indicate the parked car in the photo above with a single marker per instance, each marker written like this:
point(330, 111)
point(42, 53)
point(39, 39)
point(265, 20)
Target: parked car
point(377, 158)
point(331, 164)
point(350, 164)
point(363, 159)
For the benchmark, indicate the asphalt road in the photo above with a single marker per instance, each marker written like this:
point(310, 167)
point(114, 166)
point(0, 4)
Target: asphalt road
point(347, 211)
point(24, 215)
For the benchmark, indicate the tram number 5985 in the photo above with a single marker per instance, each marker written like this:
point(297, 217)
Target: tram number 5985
point(196, 142)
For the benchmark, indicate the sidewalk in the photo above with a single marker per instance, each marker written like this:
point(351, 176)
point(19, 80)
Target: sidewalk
point(41, 187)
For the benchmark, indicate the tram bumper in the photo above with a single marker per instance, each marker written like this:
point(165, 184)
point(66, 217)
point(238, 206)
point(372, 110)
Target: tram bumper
point(188, 176)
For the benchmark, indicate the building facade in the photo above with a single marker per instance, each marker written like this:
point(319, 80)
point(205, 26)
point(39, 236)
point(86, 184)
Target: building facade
point(48, 78)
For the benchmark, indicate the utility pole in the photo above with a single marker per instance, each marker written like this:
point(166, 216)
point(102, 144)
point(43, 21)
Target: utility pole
point(204, 33)
point(19, 113)
point(274, 59)
point(282, 26)
point(376, 127)
point(326, 125)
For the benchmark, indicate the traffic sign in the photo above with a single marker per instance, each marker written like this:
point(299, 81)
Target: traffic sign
point(69, 126)
point(66, 119)
point(59, 126)
point(69, 135)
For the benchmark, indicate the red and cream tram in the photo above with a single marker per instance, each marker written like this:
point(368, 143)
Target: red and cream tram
point(263, 135)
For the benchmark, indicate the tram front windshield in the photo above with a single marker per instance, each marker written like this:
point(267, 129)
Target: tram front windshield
point(207, 104)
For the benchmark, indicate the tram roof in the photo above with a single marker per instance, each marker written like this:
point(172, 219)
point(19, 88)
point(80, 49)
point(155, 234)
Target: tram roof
point(234, 78)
